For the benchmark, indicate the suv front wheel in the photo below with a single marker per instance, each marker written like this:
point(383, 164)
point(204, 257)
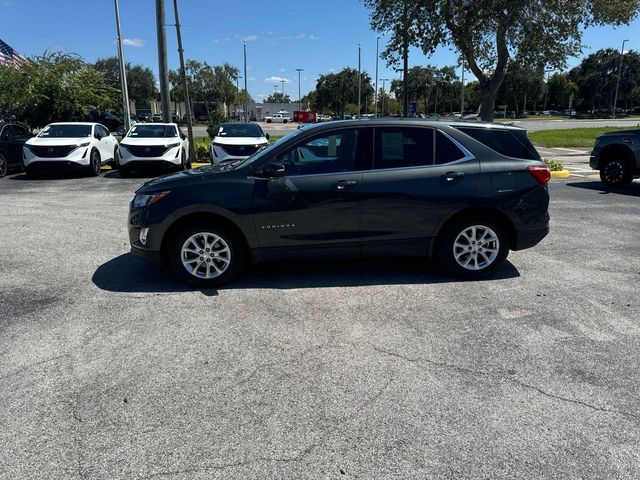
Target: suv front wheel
point(616, 173)
point(472, 247)
point(206, 255)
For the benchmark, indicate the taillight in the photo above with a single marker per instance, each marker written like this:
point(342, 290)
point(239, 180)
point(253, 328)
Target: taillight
point(541, 173)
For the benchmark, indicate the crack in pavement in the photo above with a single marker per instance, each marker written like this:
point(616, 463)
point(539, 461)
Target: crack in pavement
point(32, 365)
point(502, 377)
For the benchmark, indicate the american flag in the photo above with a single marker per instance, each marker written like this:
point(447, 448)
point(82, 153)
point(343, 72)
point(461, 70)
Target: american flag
point(9, 57)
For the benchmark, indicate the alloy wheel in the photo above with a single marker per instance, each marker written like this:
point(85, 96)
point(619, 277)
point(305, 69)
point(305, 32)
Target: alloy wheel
point(3, 166)
point(614, 171)
point(476, 247)
point(205, 255)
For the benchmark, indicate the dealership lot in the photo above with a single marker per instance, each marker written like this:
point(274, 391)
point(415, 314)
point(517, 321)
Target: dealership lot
point(380, 369)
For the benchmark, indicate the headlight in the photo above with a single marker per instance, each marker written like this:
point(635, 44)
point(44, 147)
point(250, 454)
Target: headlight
point(84, 144)
point(172, 145)
point(141, 201)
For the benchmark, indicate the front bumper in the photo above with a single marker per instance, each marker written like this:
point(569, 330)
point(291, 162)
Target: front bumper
point(149, 164)
point(151, 256)
point(170, 158)
point(53, 166)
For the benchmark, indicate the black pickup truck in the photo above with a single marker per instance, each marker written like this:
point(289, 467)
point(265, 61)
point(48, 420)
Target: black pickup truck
point(617, 156)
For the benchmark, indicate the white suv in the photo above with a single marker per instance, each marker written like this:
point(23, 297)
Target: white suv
point(237, 141)
point(62, 146)
point(153, 145)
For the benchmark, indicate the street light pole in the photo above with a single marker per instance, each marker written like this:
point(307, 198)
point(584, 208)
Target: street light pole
point(163, 69)
point(462, 93)
point(615, 98)
point(375, 96)
point(246, 94)
point(282, 82)
point(384, 81)
point(299, 70)
point(236, 114)
point(185, 86)
point(123, 73)
point(359, 79)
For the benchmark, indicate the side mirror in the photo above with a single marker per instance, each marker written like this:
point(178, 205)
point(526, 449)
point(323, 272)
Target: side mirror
point(272, 170)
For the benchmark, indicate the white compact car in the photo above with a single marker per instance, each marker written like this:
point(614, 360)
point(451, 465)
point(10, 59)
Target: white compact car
point(237, 141)
point(153, 145)
point(68, 146)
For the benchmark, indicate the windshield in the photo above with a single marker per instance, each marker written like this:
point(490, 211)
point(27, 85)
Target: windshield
point(265, 151)
point(65, 131)
point(239, 130)
point(152, 131)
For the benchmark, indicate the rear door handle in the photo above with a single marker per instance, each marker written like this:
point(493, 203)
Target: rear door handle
point(342, 184)
point(451, 176)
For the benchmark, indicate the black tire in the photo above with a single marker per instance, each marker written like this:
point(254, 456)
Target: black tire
point(453, 235)
point(269, 120)
point(3, 166)
point(115, 165)
point(94, 163)
point(237, 254)
point(616, 173)
point(285, 121)
point(184, 164)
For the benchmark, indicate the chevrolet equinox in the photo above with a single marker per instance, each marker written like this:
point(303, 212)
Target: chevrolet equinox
point(461, 193)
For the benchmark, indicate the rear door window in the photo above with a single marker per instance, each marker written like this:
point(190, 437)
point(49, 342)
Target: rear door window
point(400, 147)
point(505, 142)
point(446, 150)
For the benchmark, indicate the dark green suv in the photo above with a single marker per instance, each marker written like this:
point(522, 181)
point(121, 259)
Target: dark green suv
point(462, 193)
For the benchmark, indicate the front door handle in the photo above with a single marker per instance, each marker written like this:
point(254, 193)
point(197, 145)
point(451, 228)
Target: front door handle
point(451, 176)
point(342, 184)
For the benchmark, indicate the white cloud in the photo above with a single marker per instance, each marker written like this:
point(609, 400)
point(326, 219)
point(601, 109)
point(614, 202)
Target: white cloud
point(250, 38)
point(252, 79)
point(276, 80)
point(216, 41)
point(282, 70)
point(133, 42)
point(304, 36)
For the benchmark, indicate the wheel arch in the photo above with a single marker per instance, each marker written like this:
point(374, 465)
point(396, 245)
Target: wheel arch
point(489, 211)
point(200, 217)
point(616, 149)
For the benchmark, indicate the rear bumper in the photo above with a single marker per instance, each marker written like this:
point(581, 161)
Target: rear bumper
point(530, 238)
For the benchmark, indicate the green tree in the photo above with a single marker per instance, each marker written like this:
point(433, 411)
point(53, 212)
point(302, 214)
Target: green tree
point(278, 97)
point(559, 89)
point(140, 80)
point(54, 87)
point(522, 86)
point(489, 33)
point(597, 75)
point(335, 90)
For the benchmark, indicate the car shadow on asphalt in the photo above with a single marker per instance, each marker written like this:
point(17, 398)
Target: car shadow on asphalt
point(632, 190)
point(140, 175)
point(128, 273)
point(54, 176)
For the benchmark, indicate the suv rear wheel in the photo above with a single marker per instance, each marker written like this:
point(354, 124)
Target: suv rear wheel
point(472, 247)
point(3, 166)
point(616, 173)
point(206, 254)
point(94, 163)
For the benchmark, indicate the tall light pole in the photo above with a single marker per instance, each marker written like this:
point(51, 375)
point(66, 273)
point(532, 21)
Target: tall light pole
point(282, 82)
point(359, 78)
point(246, 94)
point(615, 98)
point(185, 86)
point(163, 69)
point(236, 113)
point(299, 70)
point(462, 92)
point(384, 81)
point(123, 73)
point(375, 96)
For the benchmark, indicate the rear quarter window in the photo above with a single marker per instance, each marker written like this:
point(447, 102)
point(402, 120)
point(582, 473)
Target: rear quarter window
point(513, 144)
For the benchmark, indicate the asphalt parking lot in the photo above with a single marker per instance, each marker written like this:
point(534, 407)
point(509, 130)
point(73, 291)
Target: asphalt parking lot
point(373, 369)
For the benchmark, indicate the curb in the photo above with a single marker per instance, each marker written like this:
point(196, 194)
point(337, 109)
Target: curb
point(561, 174)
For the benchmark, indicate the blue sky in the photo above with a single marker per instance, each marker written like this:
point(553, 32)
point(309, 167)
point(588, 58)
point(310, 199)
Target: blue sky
point(281, 35)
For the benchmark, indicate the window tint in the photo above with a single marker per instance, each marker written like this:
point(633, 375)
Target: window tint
point(446, 150)
point(103, 131)
point(503, 142)
point(7, 134)
point(327, 153)
point(21, 132)
point(398, 147)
